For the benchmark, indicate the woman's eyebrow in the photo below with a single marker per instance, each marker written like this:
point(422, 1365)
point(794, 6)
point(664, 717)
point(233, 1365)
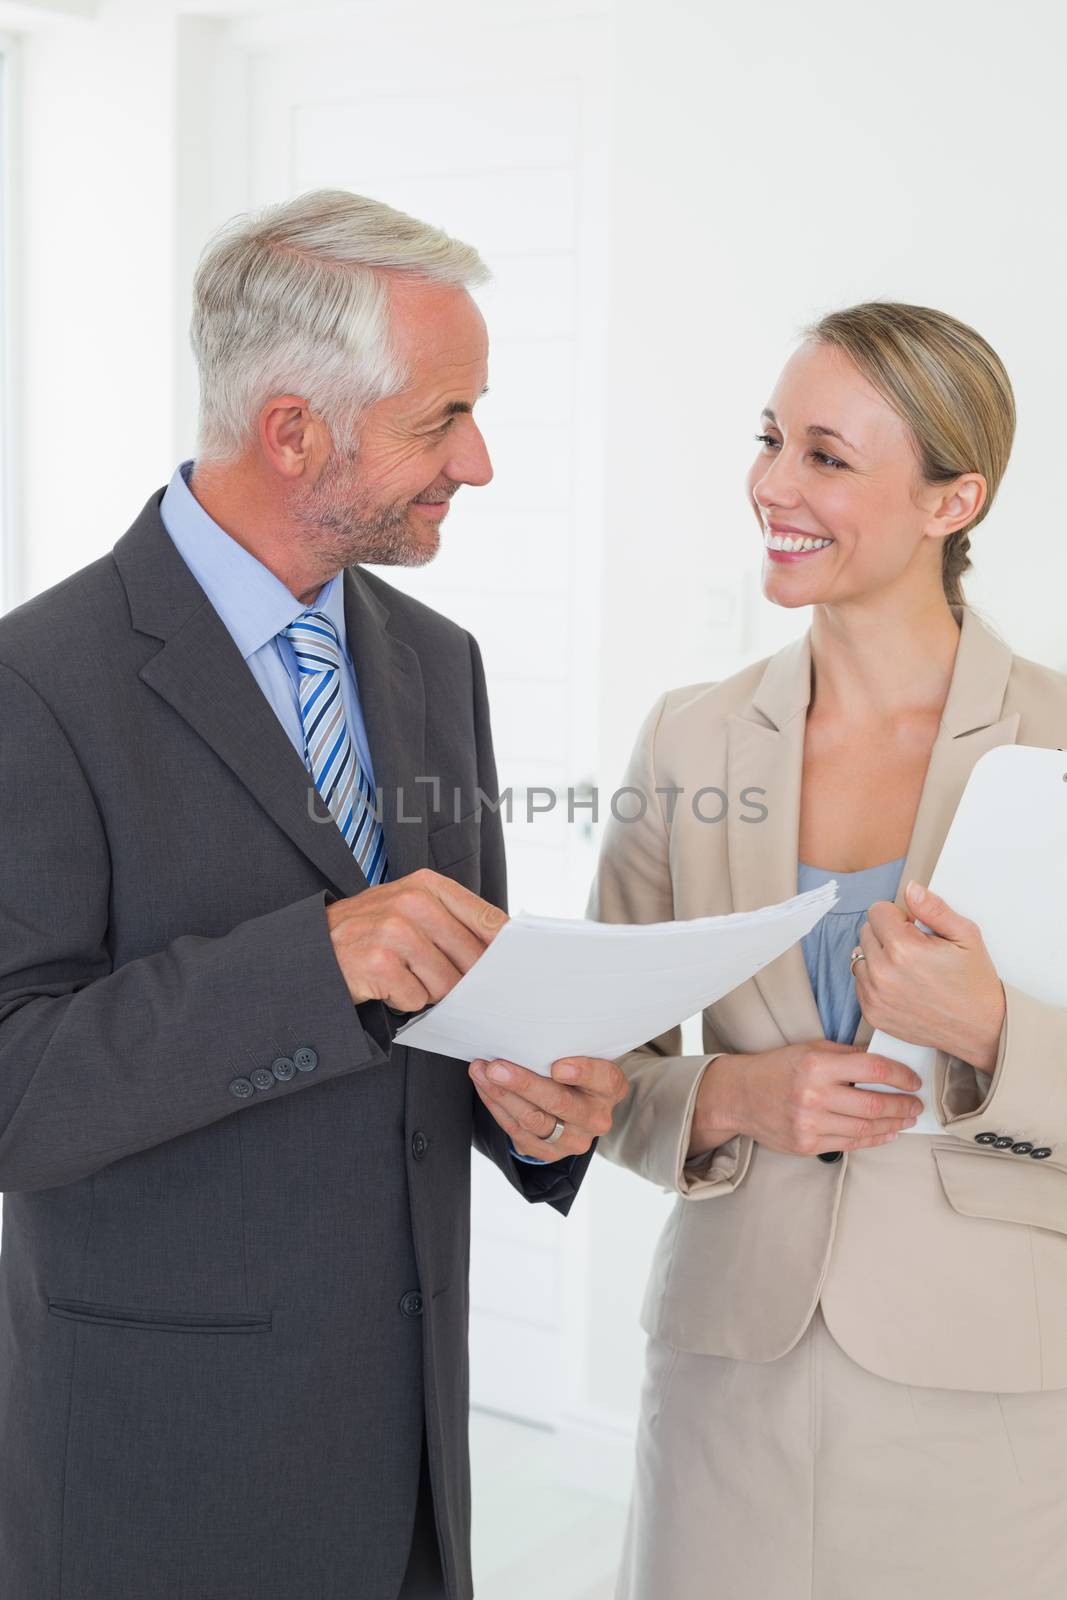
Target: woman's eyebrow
point(816, 430)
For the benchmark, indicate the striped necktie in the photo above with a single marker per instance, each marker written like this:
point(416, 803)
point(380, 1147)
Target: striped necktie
point(328, 748)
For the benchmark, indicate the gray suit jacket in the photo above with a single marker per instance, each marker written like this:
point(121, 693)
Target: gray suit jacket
point(224, 1315)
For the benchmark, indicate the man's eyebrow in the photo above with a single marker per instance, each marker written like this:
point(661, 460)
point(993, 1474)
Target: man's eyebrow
point(815, 430)
point(460, 408)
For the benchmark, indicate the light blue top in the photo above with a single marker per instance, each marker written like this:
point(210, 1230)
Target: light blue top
point(830, 943)
point(255, 605)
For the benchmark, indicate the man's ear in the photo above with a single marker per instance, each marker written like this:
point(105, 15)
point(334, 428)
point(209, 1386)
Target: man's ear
point(289, 435)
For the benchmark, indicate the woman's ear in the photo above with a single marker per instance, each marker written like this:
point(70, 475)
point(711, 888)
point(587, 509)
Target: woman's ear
point(957, 505)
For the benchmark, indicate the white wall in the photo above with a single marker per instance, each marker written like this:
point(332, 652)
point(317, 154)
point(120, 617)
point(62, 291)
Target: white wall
point(759, 165)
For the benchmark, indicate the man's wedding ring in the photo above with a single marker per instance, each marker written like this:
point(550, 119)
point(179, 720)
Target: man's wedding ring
point(557, 1133)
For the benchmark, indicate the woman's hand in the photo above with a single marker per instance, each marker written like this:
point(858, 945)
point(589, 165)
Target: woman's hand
point(941, 991)
point(801, 1099)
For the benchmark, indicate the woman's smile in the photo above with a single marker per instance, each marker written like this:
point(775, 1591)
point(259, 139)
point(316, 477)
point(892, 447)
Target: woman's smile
point(787, 544)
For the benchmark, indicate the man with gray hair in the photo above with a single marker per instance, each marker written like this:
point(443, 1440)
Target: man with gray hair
point(248, 797)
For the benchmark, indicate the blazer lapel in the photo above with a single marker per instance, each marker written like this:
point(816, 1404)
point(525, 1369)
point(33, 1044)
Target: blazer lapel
point(200, 673)
point(766, 750)
point(971, 724)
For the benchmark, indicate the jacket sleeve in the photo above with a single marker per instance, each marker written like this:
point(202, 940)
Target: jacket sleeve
point(97, 1062)
point(1025, 1096)
point(556, 1182)
point(653, 1126)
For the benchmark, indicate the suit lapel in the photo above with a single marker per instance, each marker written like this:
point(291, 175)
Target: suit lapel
point(766, 750)
point(200, 673)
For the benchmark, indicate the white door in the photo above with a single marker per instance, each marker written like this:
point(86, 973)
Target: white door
point(497, 133)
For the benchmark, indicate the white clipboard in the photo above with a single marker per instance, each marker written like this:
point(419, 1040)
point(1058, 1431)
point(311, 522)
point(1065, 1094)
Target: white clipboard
point(1004, 865)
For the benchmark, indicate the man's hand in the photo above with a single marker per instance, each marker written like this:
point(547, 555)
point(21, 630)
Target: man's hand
point(409, 942)
point(941, 991)
point(582, 1093)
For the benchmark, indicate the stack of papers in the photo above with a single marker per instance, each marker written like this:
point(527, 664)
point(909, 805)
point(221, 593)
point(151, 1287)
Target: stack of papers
point(547, 988)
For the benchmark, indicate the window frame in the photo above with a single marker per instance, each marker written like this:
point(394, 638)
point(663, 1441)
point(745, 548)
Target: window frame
point(12, 575)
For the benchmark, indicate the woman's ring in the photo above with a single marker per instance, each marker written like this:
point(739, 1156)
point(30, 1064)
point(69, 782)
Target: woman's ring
point(857, 955)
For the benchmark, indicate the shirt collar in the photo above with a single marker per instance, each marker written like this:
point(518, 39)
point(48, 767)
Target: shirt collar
point(250, 600)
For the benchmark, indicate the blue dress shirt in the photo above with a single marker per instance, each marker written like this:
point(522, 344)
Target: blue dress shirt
point(254, 605)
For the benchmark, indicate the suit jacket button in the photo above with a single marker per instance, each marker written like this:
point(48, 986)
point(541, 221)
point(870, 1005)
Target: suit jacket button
point(283, 1068)
point(305, 1058)
point(831, 1155)
point(1041, 1153)
point(411, 1304)
point(1023, 1148)
point(241, 1088)
point(1003, 1143)
point(985, 1138)
point(419, 1145)
point(263, 1078)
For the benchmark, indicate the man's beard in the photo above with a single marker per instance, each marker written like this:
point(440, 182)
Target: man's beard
point(343, 526)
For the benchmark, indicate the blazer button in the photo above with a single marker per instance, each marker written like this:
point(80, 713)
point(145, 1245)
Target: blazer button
point(1042, 1153)
point(419, 1145)
point(1003, 1143)
point(985, 1138)
point(305, 1058)
point(241, 1088)
point(283, 1068)
point(263, 1078)
point(411, 1304)
point(831, 1155)
point(1023, 1148)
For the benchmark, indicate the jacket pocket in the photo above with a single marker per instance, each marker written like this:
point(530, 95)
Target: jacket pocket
point(456, 840)
point(161, 1321)
point(1006, 1188)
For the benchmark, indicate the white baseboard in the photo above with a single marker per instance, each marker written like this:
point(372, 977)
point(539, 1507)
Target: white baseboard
point(589, 1453)
point(596, 1455)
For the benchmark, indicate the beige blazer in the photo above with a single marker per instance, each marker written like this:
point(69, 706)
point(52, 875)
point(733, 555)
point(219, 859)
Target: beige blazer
point(938, 1261)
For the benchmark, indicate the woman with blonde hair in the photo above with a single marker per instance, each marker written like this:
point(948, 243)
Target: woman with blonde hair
point(856, 1382)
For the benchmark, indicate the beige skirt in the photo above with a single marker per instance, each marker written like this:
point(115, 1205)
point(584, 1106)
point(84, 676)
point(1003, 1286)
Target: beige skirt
point(809, 1478)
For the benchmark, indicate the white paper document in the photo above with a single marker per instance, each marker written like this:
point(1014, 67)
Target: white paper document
point(547, 988)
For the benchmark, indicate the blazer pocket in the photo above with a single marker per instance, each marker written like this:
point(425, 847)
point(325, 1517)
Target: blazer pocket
point(161, 1321)
point(456, 840)
point(1006, 1188)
